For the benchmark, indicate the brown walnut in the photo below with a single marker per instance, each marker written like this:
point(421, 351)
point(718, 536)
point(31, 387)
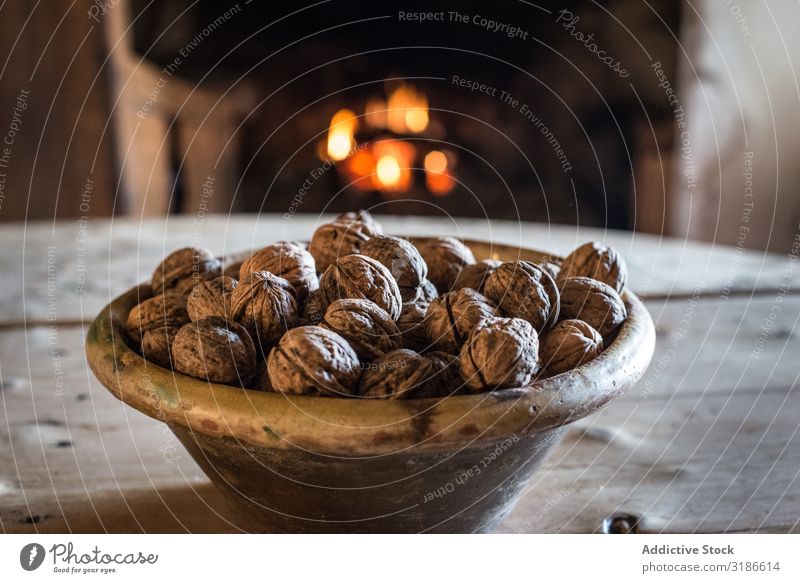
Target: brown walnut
point(287, 260)
point(597, 261)
point(266, 305)
point(360, 277)
point(311, 360)
point(452, 316)
point(183, 269)
point(211, 298)
point(475, 275)
point(524, 290)
point(313, 309)
point(552, 266)
point(594, 302)
point(500, 353)
point(215, 349)
point(412, 327)
point(369, 329)
point(567, 345)
point(445, 257)
point(400, 257)
point(443, 379)
point(162, 310)
point(335, 240)
point(424, 293)
point(157, 345)
point(361, 216)
point(396, 375)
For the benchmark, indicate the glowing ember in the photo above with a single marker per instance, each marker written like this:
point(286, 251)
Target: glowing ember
point(408, 110)
point(388, 171)
point(341, 135)
point(436, 161)
point(437, 178)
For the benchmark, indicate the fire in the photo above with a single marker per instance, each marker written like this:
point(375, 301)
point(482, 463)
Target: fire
point(341, 134)
point(437, 178)
point(407, 110)
point(388, 170)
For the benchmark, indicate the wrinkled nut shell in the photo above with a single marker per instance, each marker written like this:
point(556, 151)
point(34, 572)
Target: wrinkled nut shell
point(362, 278)
point(157, 345)
point(400, 257)
point(311, 360)
point(596, 261)
point(369, 329)
point(500, 353)
point(444, 377)
point(452, 316)
point(445, 257)
point(286, 260)
point(211, 298)
point(475, 276)
point(594, 302)
point(335, 240)
point(162, 310)
point(396, 375)
point(412, 327)
point(424, 293)
point(361, 216)
point(524, 290)
point(183, 269)
point(569, 344)
point(313, 309)
point(265, 304)
point(215, 349)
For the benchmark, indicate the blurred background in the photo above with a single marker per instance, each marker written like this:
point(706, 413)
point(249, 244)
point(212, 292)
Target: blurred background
point(673, 118)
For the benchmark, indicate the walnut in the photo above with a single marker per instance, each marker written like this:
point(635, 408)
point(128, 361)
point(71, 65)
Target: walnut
point(183, 268)
point(215, 349)
point(361, 216)
point(360, 277)
point(157, 345)
point(412, 327)
point(231, 268)
point(334, 240)
point(162, 310)
point(400, 257)
point(396, 375)
point(211, 298)
point(594, 302)
point(443, 379)
point(445, 257)
point(286, 260)
point(500, 353)
point(475, 275)
point(424, 293)
point(266, 305)
point(311, 360)
point(552, 266)
point(524, 290)
point(314, 309)
point(368, 328)
point(597, 261)
point(567, 345)
point(452, 316)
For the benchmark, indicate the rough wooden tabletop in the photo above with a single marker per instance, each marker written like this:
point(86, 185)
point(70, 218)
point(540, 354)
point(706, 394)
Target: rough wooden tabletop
point(708, 441)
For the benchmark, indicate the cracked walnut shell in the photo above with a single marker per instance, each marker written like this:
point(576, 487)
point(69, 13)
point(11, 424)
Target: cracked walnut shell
point(361, 277)
point(445, 257)
point(597, 261)
point(567, 345)
point(183, 269)
point(452, 316)
point(522, 289)
point(287, 260)
point(265, 305)
point(211, 298)
point(215, 349)
point(311, 360)
point(500, 353)
point(369, 329)
point(594, 302)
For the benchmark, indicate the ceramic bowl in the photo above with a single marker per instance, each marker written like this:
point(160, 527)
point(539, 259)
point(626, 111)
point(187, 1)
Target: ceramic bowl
point(317, 464)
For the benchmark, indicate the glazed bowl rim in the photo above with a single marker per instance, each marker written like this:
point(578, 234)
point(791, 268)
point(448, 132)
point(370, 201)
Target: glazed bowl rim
point(356, 427)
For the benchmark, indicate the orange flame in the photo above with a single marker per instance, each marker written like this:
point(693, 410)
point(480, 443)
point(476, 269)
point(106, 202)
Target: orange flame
point(407, 110)
point(341, 134)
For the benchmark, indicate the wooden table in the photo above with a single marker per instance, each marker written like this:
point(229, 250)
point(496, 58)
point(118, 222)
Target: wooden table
point(708, 441)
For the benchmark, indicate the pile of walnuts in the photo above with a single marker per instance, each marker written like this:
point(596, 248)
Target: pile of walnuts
point(361, 314)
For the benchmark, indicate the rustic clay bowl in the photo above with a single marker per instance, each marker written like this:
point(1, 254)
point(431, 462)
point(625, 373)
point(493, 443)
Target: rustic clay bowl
point(316, 464)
